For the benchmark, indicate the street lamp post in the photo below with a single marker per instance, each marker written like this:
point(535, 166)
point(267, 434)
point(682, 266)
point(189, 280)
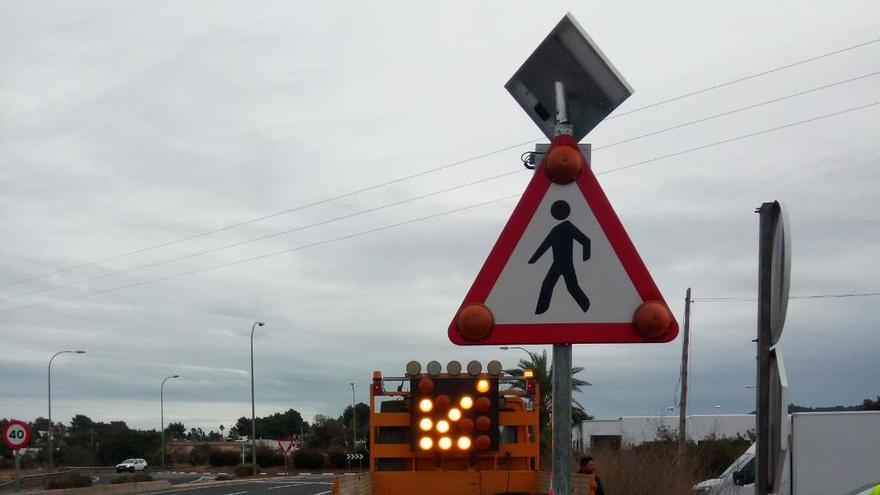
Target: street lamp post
point(51, 425)
point(509, 347)
point(162, 415)
point(253, 409)
point(354, 422)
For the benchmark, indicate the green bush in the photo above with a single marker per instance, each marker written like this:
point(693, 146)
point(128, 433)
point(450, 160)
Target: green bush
point(132, 478)
point(308, 459)
point(222, 457)
point(244, 469)
point(198, 456)
point(269, 457)
point(71, 480)
point(337, 459)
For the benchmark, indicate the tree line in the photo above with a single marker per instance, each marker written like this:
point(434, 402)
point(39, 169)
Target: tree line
point(84, 442)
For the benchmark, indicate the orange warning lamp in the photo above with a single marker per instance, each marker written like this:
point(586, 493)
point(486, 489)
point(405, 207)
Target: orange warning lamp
point(454, 414)
point(377, 383)
point(466, 425)
point(564, 164)
point(445, 443)
point(426, 424)
point(426, 443)
point(426, 385)
point(425, 405)
point(482, 386)
point(464, 443)
point(652, 319)
point(483, 423)
point(442, 401)
point(475, 322)
point(483, 442)
point(466, 402)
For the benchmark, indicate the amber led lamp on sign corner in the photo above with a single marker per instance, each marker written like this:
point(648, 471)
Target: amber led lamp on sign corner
point(475, 322)
point(652, 319)
point(564, 164)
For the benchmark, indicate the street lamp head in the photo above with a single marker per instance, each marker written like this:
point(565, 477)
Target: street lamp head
point(260, 324)
point(80, 352)
point(175, 376)
point(504, 348)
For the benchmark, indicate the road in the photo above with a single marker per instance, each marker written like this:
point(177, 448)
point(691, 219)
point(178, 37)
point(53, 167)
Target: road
point(294, 485)
point(103, 478)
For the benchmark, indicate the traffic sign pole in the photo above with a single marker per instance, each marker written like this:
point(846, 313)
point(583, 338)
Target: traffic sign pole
point(17, 471)
point(561, 444)
point(17, 435)
point(774, 265)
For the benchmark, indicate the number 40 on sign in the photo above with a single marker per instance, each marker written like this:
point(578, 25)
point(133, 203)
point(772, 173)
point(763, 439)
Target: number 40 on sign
point(16, 434)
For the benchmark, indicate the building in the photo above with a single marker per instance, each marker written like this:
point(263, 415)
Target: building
point(635, 430)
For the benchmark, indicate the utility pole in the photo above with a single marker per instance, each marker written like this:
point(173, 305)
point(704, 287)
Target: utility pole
point(683, 401)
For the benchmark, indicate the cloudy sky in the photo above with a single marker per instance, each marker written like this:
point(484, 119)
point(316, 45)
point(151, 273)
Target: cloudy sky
point(126, 127)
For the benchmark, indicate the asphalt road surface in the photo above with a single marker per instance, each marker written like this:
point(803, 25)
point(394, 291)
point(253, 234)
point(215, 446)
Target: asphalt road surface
point(295, 485)
point(174, 478)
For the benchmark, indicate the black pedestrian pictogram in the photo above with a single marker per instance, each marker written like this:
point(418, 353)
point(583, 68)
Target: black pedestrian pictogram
point(561, 239)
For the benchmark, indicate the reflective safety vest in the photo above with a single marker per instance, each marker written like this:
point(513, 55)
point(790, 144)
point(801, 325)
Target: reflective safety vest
point(876, 490)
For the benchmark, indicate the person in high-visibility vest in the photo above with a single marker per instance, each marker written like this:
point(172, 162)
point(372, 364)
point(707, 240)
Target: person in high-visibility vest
point(588, 466)
point(876, 490)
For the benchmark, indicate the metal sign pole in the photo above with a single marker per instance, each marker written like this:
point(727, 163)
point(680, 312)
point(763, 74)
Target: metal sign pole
point(17, 471)
point(561, 419)
point(762, 406)
point(561, 444)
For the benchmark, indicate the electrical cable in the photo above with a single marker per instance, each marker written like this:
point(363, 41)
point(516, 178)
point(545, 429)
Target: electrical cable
point(343, 217)
point(266, 255)
point(425, 172)
point(745, 78)
point(260, 238)
point(738, 138)
point(617, 169)
point(271, 215)
point(737, 110)
point(811, 296)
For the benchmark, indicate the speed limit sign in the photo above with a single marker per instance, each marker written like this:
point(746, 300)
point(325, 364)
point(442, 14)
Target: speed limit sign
point(16, 434)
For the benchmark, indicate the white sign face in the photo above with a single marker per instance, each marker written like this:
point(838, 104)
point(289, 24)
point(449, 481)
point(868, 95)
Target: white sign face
point(534, 287)
point(16, 436)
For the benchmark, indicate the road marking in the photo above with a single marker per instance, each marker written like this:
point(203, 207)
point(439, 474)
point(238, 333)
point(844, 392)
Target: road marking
point(323, 493)
point(237, 493)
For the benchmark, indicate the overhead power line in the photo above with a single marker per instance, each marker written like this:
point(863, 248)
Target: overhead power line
point(607, 171)
point(738, 110)
point(422, 173)
point(741, 137)
point(271, 215)
point(263, 237)
point(405, 201)
point(267, 255)
point(746, 78)
point(811, 296)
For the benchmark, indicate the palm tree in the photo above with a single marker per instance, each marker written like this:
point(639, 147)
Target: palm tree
point(543, 375)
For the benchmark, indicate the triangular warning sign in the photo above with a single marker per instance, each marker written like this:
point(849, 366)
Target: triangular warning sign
point(285, 444)
point(563, 270)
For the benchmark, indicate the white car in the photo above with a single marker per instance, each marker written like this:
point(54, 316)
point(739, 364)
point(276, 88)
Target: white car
point(131, 465)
